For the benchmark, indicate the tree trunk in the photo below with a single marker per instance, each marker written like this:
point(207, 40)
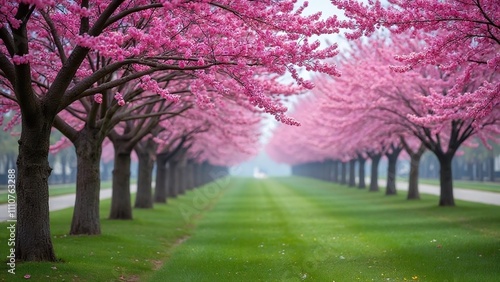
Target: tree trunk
point(413, 192)
point(479, 170)
point(146, 151)
point(335, 171)
point(88, 149)
point(391, 171)
point(190, 176)
point(361, 161)
point(446, 181)
point(491, 170)
point(374, 172)
point(144, 196)
point(181, 178)
point(121, 207)
point(470, 171)
point(343, 172)
point(162, 173)
point(33, 240)
point(352, 173)
point(172, 179)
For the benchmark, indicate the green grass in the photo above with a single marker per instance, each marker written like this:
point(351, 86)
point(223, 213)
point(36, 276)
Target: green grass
point(56, 190)
point(282, 229)
point(296, 229)
point(125, 251)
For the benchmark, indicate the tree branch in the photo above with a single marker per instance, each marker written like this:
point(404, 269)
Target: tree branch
point(55, 36)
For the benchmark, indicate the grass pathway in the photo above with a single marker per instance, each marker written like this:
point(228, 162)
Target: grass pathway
point(296, 229)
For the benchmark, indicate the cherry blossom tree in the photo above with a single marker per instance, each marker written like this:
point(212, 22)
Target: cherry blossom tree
point(426, 103)
point(460, 35)
point(394, 108)
point(54, 54)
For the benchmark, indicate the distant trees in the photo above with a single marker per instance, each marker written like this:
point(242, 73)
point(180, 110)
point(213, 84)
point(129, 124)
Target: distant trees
point(377, 108)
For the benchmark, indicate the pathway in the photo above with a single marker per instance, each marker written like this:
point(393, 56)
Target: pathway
point(64, 201)
point(477, 196)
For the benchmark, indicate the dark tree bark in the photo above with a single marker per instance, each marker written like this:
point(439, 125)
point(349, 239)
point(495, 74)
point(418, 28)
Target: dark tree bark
point(446, 197)
point(413, 191)
point(172, 179)
point(415, 156)
point(375, 157)
point(361, 161)
point(33, 240)
point(121, 207)
point(196, 175)
point(491, 169)
point(460, 131)
point(190, 185)
point(352, 173)
point(162, 172)
point(392, 158)
point(343, 173)
point(479, 171)
point(145, 152)
point(180, 178)
point(88, 147)
point(335, 171)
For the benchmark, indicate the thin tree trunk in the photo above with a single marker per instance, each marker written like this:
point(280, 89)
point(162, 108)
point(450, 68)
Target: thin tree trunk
point(343, 172)
point(172, 179)
point(491, 169)
point(181, 178)
point(374, 172)
point(33, 240)
point(88, 184)
point(361, 167)
point(470, 171)
point(479, 170)
point(161, 179)
point(335, 171)
point(121, 207)
point(190, 176)
point(352, 173)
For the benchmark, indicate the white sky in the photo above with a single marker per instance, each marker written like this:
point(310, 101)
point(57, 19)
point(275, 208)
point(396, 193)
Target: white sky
point(315, 6)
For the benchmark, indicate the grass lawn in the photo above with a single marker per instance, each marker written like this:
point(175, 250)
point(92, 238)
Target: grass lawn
point(126, 249)
point(296, 229)
point(56, 190)
point(282, 229)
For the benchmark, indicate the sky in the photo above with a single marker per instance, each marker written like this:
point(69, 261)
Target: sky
point(262, 162)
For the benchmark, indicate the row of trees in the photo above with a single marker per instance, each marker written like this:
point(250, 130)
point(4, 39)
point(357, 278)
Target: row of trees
point(180, 81)
point(428, 81)
point(178, 78)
